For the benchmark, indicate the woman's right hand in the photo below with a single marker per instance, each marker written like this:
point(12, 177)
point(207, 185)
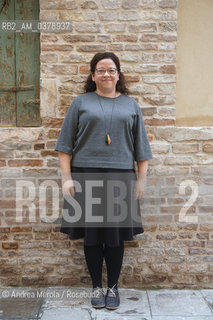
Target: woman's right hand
point(68, 186)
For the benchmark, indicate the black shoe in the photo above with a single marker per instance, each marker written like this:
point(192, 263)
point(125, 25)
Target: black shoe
point(98, 298)
point(112, 300)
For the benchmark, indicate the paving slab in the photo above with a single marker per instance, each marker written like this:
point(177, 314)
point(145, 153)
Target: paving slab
point(182, 303)
point(181, 318)
point(208, 297)
point(63, 303)
point(134, 304)
point(19, 303)
point(66, 313)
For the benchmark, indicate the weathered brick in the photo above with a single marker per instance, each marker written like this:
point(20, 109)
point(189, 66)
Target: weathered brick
point(6, 154)
point(56, 47)
point(111, 4)
point(128, 15)
point(167, 236)
point(169, 88)
point(115, 27)
point(48, 57)
point(52, 122)
point(104, 38)
point(7, 204)
point(78, 38)
point(42, 228)
point(22, 237)
point(47, 153)
point(89, 5)
point(88, 27)
point(51, 144)
point(178, 160)
point(159, 100)
point(158, 15)
point(183, 279)
point(59, 69)
point(25, 163)
point(21, 229)
point(107, 16)
point(167, 46)
point(160, 122)
point(91, 48)
point(168, 26)
point(9, 245)
point(90, 16)
point(141, 89)
point(148, 4)
point(41, 236)
point(49, 38)
point(168, 4)
point(4, 230)
point(159, 57)
point(167, 112)
point(185, 147)
point(39, 146)
point(129, 57)
point(35, 244)
point(149, 111)
point(190, 268)
point(202, 235)
point(132, 78)
point(159, 79)
point(61, 245)
point(15, 146)
point(160, 147)
point(126, 4)
point(115, 47)
point(170, 69)
point(149, 46)
point(176, 134)
point(208, 147)
point(125, 38)
point(153, 279)
point(132, 47)
point(2, 163)
point(71, 5)
point(144, 26)
point(40, 172)
point(84, 69)
point(160, 268)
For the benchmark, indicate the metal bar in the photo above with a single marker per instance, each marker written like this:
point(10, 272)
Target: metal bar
point(15, 89)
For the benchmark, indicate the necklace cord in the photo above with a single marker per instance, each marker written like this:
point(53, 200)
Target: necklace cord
point(108, 139)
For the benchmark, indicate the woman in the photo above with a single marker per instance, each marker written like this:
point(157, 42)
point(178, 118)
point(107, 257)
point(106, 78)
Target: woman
point(102, 135)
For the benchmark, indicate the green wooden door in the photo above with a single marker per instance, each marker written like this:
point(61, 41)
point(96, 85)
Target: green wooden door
point(19, 67)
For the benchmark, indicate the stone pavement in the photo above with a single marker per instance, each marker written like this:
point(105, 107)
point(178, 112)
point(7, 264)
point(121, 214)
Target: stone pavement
point(70, 303)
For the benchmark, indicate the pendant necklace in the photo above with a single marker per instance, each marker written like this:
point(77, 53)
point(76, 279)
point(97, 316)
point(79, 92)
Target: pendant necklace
point(108, 138)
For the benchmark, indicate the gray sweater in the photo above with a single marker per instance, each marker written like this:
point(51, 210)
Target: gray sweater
point(83, 133)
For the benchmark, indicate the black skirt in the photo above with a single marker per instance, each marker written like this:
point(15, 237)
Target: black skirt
point(104, 209)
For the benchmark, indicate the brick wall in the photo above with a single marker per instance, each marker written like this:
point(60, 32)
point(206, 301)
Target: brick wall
point(171, 252)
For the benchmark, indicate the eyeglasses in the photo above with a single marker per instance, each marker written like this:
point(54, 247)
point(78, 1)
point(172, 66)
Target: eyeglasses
point(111, 71)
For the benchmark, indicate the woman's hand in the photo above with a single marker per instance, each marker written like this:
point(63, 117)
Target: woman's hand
point(141, 181)
point(68, 186)
point(140, 188)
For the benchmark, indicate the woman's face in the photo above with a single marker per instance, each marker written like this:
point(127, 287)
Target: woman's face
point(106, 76)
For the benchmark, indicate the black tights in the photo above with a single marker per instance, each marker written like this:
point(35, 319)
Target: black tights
point(113, 257)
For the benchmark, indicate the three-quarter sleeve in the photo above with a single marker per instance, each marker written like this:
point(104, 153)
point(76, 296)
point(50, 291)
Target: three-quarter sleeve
point(66, 139)
point(141, 143)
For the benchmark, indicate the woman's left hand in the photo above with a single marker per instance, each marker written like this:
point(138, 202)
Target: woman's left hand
point(140, 188)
